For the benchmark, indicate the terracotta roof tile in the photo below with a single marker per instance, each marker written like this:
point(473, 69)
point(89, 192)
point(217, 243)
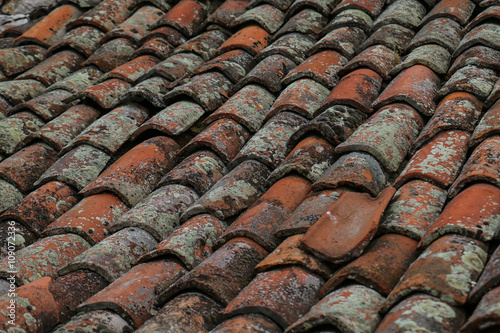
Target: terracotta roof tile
point(441, 31)
point(20, 91)
point(325, 7)
point(84, 39)
point(307, 21)
point(350, 309)
point(18, 59)
point(16, 128)
point(149, 92)
point(393, 36)
point(176, 66)
point(77, 81)
point(111, 54)
point(158, 47)
point(489, 279)
point(341, 242)
point(248, 323)
point(485, 315)
point(205, 45)
point(378, 58)
point(268, 17)
point(480, 35)
point(292, 45)
point(371, 7)
point(46, 106)
point(90, 218)
point(352, 18)
point(233, 64)
point(10, 195)
point(489, 14)
point(471, 79)
point(458, 10)
point(186, 16)
point(227, 12)
point(487, 127)
point(284, 304)
point(92, 319)
point(405, 13)
point(436, 57)
point(105, 15)
point(132, 70)
point(344, 40)
point(159, 212)
point(171, 35)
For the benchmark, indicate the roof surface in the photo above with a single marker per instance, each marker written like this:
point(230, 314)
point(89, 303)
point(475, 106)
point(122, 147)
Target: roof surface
point(251, 166)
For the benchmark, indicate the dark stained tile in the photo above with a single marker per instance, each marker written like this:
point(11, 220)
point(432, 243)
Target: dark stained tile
point(191, 243)
point(20, 91)
point(310, 158)
point(307, 21)
point(267, 16)
point(149, 91)
point(380, 268)
point(405, 13)
point(188, 312)
point(350, 309)
point(251, 39)
point(132, 295)
point(169, 34)
point(487, 127)
point(113, 256)
point(344, 40)
point(357, 89)
point(235, 192)
point(248, 323)
point(347, 227)
point(292, 45)
point(303, 96)
point(19, 59)
point(472, 213)
point(84, 39)
point(284, 303)
point(24, 167)
point(335, 124)
point(322, 67)
point(105, 15)
point(248, 106)
point(225, 14)
point(10, 195)
point(210, 90)
point(164, 5)
point(371, 7)
point(60, 131)
point(205, 45)
point(393, 36)
point(103, 94)
point(137, 25)
point(447, 269)
point(290, 253)
point(441, 31)
point(132, 70)
point(480, 167)
point(280, 4)
point(157, 47)
point(15, 128)
point(359, 170)
point(38, 311)
point(111, 130)
point(111, 54)
point(475, 80)
point(439, 161)
point(378, 58)
point(225, 137)
point(458, 10)
point(159, 212)
point(388, 135)
point(42, 206)
point(353, 18)
point(233, 64)
point(46, 106)
point(51, 28)
point(78, 167)
point(201, 171)
point(77, 81)
point(494, 95)
point(323, 7)
point(260, 222)
point(308, 212)
point(480, 35)
point(72, 289)
point(48, 255)
point(490, 279)
point(91, 320)
point(176, 66)
point(485, 315)
point(134, 175)
point(268, 73)
point(422, 311)
point(90, 218)
point(173, 120)
point(416, 86)
point(434, 56)
point(186, 16)
point(413, 209)
point(222, 275)
point(268, 145)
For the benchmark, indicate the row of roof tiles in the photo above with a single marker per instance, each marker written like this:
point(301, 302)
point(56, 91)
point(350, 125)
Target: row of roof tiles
point(274, 165)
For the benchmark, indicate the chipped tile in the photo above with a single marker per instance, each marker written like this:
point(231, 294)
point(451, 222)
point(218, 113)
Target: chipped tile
point(90, 218)
point(345, 230)
point(416, 86)
point(260, 222)
point(413, 209)
point(388, 135)
point(359, 170)
point(159, 212)
point(439, 161)
point(447, 269)
point(78, 167)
